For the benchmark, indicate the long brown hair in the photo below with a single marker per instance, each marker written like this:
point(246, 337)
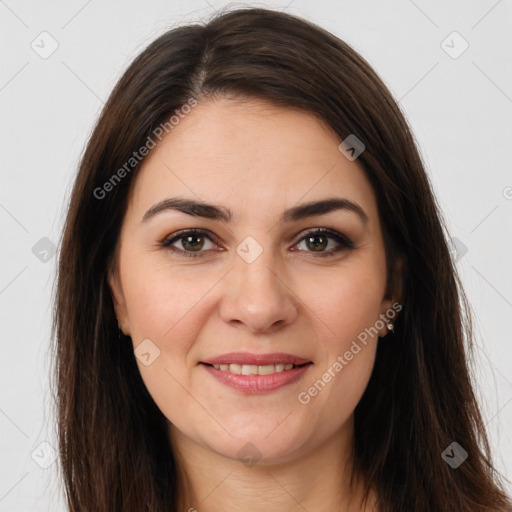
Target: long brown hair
point(114, 447)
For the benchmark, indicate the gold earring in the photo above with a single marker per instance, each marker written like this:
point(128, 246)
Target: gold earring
point(391, 327)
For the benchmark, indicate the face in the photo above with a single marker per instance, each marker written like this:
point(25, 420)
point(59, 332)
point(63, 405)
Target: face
point(260, 274)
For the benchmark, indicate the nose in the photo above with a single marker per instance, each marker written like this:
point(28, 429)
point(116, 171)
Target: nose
point(258, 297)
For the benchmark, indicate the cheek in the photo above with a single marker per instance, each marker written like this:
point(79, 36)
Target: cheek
point(348, 301)
point(346, 306)
point(161, 301)
point(168, 309)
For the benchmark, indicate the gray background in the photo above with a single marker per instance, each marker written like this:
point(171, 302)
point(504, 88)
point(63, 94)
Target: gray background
point(459, 107)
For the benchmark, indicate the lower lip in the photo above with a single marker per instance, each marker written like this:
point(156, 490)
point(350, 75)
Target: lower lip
point(258, 383)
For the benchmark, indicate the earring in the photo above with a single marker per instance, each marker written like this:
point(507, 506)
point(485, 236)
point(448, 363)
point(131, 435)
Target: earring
point(391, 327)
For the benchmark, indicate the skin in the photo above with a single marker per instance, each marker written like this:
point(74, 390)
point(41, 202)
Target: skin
point(257, 160)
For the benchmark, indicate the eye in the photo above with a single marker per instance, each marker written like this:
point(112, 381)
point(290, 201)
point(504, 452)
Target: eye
point(189, 242)
point(318, 241)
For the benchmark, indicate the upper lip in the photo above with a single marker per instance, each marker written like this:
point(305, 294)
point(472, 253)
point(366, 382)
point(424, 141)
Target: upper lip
point(256, 359)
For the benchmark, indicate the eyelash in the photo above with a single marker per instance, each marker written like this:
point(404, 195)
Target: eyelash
point(329, 233)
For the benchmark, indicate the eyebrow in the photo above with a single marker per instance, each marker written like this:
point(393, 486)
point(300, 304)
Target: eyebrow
point(220, 213)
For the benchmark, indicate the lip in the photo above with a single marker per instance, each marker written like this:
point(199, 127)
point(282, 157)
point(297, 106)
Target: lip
point(256, 359)
point(257, 384)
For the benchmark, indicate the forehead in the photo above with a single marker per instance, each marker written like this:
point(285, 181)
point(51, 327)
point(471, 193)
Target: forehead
point(250, 155)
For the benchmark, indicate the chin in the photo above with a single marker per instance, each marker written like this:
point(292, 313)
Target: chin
point(253, 445)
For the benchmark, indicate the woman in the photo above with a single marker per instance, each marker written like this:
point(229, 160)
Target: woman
point(256, 306)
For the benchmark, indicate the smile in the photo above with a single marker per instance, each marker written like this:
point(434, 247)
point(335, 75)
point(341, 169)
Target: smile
point(252, 373)
point(252, 369)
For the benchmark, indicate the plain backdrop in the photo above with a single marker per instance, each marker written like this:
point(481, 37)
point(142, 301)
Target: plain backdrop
point(454, 88)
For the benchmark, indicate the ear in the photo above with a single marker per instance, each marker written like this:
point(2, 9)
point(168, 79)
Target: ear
point(392, 303)
point(118, 299)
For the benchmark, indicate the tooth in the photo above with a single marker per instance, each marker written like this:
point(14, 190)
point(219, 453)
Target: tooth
point(266, 369)
point(249, 369)
point(252, 369)
point(235, 368)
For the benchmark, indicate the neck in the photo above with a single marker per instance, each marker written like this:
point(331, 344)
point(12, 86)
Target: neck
point(319, 480)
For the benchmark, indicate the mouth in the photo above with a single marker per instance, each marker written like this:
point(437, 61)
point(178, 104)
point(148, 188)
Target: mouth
point(253, 369)
point(256, 373)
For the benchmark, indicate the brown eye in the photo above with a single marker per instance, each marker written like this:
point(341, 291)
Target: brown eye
point(319, 240)
point(192, 242)
point(188, 242)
